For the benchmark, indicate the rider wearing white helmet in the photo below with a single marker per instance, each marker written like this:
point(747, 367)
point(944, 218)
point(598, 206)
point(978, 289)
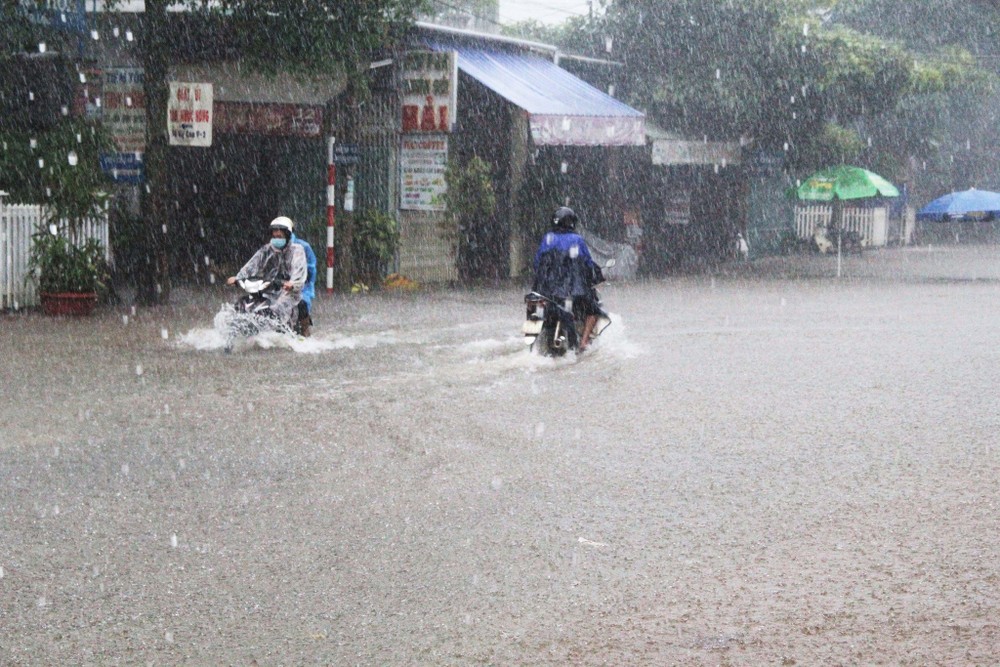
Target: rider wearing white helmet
point(279, 260)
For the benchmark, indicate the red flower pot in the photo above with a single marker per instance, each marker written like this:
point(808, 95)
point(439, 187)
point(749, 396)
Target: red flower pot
point(68, 303)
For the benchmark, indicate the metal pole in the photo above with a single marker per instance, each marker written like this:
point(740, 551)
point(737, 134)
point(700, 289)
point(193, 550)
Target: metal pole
point(331, 199)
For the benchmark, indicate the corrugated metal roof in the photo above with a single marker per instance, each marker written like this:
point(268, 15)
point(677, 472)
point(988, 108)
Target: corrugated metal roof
point(539, 86)
point(563, 110)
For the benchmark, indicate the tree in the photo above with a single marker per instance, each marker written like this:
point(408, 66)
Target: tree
point(271, 36)
point(778, 71)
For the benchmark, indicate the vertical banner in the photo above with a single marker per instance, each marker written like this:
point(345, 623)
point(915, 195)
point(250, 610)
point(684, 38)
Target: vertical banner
point(189, 114)
point(423, 160)
point(115, 96)
point(430, 91)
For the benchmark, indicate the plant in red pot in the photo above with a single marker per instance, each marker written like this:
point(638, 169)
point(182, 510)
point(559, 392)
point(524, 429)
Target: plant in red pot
point(70, 277)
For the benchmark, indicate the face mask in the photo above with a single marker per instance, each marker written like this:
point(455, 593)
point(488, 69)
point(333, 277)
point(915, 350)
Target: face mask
point(278, 244)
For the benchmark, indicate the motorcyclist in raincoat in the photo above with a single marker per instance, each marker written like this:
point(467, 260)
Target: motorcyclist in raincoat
point(281, 261)
point(564, 269)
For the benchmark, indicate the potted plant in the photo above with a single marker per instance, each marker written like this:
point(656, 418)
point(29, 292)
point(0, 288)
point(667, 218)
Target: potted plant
point(69, 277)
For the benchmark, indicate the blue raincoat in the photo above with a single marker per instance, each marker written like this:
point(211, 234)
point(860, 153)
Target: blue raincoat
point(309, 289)
point(564, 268)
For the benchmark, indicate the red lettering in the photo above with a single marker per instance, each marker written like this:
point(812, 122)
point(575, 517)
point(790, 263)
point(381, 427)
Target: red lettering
point(184, 94)
point(201, 116)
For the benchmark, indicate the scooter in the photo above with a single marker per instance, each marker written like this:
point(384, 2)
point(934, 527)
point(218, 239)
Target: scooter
point(553, 328)
point(252, 312)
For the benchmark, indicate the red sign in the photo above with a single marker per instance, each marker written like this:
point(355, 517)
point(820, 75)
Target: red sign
point(284, 120)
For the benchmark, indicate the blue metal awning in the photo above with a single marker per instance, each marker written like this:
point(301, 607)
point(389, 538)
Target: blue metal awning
point(563, 110)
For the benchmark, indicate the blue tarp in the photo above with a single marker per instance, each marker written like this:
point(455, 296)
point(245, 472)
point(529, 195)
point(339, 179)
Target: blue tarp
point(563, 110)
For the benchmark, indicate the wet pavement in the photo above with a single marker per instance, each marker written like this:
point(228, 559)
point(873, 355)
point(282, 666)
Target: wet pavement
point(757, 464)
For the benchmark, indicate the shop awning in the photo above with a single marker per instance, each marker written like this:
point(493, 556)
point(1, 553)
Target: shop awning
point(563, 110)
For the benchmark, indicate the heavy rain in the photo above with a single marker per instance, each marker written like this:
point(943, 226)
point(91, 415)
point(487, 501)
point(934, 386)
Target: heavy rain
point(639, 332)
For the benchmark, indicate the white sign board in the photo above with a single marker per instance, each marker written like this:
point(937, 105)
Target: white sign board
point(423, 160)
point(189, 114)
point(430, 91)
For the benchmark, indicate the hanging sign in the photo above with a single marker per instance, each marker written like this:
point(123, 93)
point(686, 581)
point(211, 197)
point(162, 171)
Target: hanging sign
point(189, 114)
point(429, 91)
point(423, 160)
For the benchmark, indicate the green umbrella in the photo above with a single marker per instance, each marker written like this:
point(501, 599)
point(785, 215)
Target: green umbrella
point(845, 182)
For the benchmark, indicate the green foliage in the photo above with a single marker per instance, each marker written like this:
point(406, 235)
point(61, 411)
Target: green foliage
point(57, 265)
point(374, 244)
point(470, 197)
point(59, 168)
point(316, 35)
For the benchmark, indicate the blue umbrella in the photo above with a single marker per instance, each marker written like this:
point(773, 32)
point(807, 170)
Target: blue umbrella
point(968, 204)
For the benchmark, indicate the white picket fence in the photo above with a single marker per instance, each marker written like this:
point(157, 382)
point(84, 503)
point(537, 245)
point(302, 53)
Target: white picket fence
point(870, 223)
point(17, 223)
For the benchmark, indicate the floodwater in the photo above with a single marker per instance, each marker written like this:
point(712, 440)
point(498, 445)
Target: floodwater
point(764, 465)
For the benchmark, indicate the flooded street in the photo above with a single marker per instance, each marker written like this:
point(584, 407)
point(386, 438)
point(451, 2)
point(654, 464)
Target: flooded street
point(761, 466)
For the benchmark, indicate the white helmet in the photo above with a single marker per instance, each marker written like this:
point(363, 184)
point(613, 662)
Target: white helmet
point(281, 222)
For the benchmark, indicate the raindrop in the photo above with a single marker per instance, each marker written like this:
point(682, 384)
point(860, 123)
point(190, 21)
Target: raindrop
point(968, 144)
point(48, 191)
point(805, 29)
point(79, 138)
point(55, 451)
point(783, 302)
point(608, 43)
point(716, 167)
point(53, 230)
point(72, 158)
point(128, 35)
point(115, 31)
point(42, 602)
point(166, 411)
point(793, 99)
point(169, 636)
point(33, 143)
point(41, 163)
point(173, 540)
point(211, 279)
point(133, 311)
point(138, 369)
point(31, 96)
point(164, 228)
point(64, 110)
point(795, 115)
point(125, 468)
point(785, 146)
point(164, 334)
point(97, 102)
point(496, 483)
point(563, 167)
point(207, 260)
point(611, 90)
point(125, 320)
point(1, 572)
point(869, 142)
point(83, 78)
point(718, 73)
point(41, 47)
point(539, 429)
point(803, 48)
point(55, 510)
point(94, 35)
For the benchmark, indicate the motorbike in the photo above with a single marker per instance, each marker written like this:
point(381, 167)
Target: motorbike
point(252, 312)
point(553, 328)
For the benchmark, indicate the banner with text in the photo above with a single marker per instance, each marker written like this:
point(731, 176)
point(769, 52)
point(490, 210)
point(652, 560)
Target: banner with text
point(430, 88)
point(423, 160)
point(189, 114)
